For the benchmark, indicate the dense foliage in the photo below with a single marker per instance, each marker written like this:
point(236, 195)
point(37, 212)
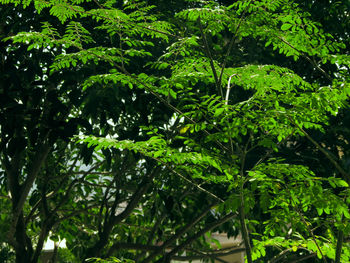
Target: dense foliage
point(134, 129)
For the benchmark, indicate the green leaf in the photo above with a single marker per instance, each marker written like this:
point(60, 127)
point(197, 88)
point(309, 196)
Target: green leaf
point(218, 112)
point(285, 27)
point(342, 183)
point(172, 93)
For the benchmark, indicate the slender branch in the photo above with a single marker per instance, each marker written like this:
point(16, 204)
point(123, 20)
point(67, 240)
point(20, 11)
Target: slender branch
point(345, 175)
point(178, 234)
point(72, 184)
point(313, 236)
point(74, 213)
point(189, 181)
point(53, 193)
point(97, 173)
point(211, 60)
point(211, 254)
point(302, 259)
point(280, 255)
point(105, 198)
point(113, 220)
point(36, 205)
point(200, 254)
point(283, 253)
point(136, 197)
point(126, 188)
point(194, 237)
point(307, 58)
point(131, 246)
point(221, 250)
point(233, 39)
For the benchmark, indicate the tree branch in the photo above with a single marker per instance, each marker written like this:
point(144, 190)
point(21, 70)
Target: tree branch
point(204, 255)
point(302, 259)
point(39, 159)
point(179, 233)
point(194, 237)
point(339, 246)
point(72, 184)
point(131, 246)
point(244, 228)
point(113, 220)
point(19, 199)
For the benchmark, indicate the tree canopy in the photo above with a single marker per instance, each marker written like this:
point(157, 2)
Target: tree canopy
point(135, 129)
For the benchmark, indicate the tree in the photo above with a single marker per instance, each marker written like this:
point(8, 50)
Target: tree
point(180, 129)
